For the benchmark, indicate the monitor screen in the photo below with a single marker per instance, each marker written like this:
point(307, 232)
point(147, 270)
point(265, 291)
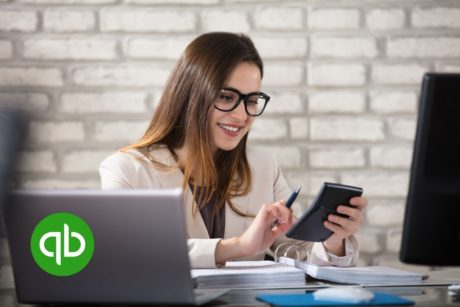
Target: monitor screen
point(431, 234)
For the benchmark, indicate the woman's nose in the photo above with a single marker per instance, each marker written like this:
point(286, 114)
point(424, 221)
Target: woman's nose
point(240, 112)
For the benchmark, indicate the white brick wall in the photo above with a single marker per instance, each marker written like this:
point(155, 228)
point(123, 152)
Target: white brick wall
point(65, 20)
point(385, 19)
point(327, 19)
point(83, 161)
point(346, 129)
point(344, 47)
point(436, 17)
point(369, 241)
point(388, 101)
point(160, 47)
point(287, 156)
point(283, 74)
point(39, 161)
point(20, 76)
point(336, 102)
point(326, 74)
point(379, 183)
point(134, 75)
point(393, 242)
point(116, 131)
point(402, 128)
point(284, 102)
point(68, 1)
point(281, 47)
point(6, 49)
point(279, 18)
point(398, 74)
point(111, 102)
point(391, 156)
point(385, 212)
point(426, 47)
point(146, 20)
point(70, 49)
point(298, 127)
point(225, 20)
point(337, 158)
point(18, 20)
point(344, 77)
point(52, 132)
point(268, 129)
point(31, 102)
point(60, 183)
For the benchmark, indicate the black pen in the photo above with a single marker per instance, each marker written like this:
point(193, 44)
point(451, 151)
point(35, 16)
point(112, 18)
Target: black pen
point(289, 203)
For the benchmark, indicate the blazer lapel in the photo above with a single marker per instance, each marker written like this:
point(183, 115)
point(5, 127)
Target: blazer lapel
point(173, 179)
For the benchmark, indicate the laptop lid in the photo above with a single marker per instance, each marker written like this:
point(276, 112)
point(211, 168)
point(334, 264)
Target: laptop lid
point(138, 252)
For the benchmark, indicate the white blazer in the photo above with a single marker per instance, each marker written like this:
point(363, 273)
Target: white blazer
point(134, 170)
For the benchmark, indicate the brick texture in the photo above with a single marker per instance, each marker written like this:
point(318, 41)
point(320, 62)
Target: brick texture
point(65, 20)
point(6, 49)
point(344, 78)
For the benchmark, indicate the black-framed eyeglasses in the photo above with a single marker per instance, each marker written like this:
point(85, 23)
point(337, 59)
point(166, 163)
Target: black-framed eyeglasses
point(229, 99)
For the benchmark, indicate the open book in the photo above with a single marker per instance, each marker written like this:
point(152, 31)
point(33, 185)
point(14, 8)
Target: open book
point(250, 274)
point(366, 275)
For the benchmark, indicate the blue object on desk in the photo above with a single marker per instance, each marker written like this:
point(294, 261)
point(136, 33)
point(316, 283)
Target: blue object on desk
point(307, 299)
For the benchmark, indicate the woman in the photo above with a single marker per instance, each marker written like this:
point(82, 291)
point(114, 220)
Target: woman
point(197, 140)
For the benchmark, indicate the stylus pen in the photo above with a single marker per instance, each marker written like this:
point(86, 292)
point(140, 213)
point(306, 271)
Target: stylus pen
point(292, 198)
point(289, 203)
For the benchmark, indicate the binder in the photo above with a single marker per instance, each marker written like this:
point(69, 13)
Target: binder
point(250, 275)
point(362, 275)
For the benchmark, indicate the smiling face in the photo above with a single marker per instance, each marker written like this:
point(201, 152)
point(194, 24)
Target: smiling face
point(228, 128)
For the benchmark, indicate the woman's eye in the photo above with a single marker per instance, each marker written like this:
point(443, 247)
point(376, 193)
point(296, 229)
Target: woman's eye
point(226, 98)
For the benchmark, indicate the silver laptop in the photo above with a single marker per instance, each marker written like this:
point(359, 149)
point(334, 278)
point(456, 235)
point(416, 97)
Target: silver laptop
point(82, 246)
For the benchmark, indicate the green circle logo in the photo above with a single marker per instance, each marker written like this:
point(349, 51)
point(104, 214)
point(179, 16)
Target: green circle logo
point(62, 244)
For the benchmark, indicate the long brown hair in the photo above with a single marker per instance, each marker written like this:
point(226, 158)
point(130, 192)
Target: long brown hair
point(181, 118)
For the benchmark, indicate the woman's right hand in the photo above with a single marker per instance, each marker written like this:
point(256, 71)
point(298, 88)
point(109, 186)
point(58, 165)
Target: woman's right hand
point(271, 221)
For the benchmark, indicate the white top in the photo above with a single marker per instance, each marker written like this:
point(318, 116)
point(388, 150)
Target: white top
point(134, 170)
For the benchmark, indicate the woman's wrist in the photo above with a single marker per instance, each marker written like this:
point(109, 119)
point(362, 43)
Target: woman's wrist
point(228, 249)
point(336, 248)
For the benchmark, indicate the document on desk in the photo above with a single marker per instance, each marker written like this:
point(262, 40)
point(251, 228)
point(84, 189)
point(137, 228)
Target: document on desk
point(364, 275)
point(251, 275)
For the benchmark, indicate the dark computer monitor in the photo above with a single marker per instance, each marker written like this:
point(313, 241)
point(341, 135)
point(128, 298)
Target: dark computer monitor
point(431, 234)
point(12, 132)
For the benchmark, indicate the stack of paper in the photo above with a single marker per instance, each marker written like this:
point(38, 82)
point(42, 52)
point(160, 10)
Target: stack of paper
point(367, 275)
point(249, 274)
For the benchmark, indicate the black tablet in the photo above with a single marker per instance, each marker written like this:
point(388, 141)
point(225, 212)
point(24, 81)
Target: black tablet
point(310, 226)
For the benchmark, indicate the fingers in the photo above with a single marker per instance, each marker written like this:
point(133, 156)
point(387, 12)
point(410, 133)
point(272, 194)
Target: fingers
point(283, 214)
point(353, 213)
point(279, 218)
point(346, 226)
point(341, 226)
point(338, 230)
point(359, 202)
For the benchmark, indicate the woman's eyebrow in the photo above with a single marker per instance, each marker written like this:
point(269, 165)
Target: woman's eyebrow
point(232, 88)
point(238, 91)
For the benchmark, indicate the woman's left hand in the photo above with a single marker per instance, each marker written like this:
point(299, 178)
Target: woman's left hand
point(343, 227)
